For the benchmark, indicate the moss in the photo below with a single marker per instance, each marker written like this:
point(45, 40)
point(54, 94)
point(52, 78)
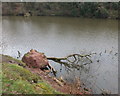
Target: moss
point(16, 79)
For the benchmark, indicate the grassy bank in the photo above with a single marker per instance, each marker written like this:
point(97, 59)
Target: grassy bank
point(18, 80)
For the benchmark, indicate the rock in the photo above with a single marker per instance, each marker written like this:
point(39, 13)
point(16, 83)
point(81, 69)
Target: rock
point(35, 59)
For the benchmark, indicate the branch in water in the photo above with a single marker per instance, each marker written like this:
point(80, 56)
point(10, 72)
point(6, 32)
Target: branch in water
point(72, 64)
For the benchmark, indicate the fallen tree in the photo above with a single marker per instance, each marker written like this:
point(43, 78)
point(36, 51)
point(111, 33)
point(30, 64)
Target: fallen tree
point(76, 57)
point(73, 60)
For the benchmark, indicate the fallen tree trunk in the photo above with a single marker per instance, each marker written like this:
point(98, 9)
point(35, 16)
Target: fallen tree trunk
point(39, 60)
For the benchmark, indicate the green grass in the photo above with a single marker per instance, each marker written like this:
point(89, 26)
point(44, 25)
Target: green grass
point(16, 79)
point(11, 58)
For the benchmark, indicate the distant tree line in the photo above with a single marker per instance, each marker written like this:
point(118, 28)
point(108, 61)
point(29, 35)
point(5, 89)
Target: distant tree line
point(75, 9)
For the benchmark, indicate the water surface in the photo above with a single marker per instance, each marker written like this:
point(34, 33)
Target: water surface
point(61, 36)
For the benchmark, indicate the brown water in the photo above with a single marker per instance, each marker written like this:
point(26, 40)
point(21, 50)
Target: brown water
point(61, 36)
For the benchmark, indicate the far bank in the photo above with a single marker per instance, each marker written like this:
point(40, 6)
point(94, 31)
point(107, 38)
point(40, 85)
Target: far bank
point(70, 9)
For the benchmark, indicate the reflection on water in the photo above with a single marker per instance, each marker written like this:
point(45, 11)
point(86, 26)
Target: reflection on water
point(62, 36)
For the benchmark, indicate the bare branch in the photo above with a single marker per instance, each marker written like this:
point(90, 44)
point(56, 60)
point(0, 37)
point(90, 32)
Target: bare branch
point(66, 61)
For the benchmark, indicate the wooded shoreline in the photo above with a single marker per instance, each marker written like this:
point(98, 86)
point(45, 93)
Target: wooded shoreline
point(70, 9)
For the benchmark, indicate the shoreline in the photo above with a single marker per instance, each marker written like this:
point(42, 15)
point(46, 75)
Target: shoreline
point(57, 86)
point(62, 16)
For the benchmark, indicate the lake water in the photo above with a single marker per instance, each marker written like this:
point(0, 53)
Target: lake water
point(62, 36)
